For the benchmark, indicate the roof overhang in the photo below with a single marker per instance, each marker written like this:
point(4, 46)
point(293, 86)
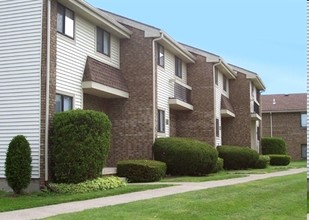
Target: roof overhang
point(227, 113)
point(97, 17)
point(103, 91)
point(179, 105)
point(254, 77)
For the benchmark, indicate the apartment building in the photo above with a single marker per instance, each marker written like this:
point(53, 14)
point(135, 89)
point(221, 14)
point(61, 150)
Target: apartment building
point(69, 55)
point(285, 115)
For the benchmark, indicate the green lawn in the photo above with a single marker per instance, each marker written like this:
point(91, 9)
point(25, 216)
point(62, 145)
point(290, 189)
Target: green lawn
point(275, 198)
point(9, 202)
point(235, 173)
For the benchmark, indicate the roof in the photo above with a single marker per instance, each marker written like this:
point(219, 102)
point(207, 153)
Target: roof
point(254, 77)
point(154, 32)
point(284, 102)
point(104, 74)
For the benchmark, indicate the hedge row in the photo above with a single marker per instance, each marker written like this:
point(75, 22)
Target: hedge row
point(185, 156)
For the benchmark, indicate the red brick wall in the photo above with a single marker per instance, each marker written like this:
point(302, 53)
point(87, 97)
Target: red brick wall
point(236, 131)
point(287, 126)
point(199, 123)
point(132, 118)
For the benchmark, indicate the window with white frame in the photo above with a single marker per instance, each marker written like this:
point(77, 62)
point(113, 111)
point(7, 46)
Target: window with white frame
point(161, 121)
point(103, 41)
point(65, 21)
point(178, 67)
point(225, 81)
point(303, 151)
point(303, 120)
point(63, 103)
point(160, 55)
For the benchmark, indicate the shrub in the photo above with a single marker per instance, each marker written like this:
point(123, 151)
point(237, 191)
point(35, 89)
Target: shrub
point(81, 140)
point(99, 184)
point(262, 162)
point(18, 164)
point(141, 170)
point(219, 165)
point(279, 160)
point(237, 158)
point(185, 156)
point(273, 145)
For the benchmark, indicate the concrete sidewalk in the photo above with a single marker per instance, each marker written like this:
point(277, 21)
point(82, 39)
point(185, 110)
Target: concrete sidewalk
point(47, 211)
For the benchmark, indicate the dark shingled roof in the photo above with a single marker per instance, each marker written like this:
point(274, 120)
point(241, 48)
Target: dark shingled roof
point(226, 105)
point(284, 102)
point(104, 74)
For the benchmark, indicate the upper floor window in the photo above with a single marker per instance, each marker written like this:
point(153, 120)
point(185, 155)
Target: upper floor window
point(103, 41)
point(160, 55)
point(161, 121)
point(65, 21)
point(63, 103)
point(225, 83)
point(216, 76)
point(178, 67)
point(303, 120)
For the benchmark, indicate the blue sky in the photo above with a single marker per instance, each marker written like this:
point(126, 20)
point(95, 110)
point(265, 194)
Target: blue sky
point(265, 36)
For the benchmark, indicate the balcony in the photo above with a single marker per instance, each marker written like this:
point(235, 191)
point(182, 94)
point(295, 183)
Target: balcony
point(181, 99)
point(255, 111)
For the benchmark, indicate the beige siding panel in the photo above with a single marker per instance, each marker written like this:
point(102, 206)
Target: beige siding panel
point(72, 55)
point(20, 76)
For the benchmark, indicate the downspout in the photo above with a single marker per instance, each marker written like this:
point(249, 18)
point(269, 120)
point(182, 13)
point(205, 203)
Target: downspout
point(154, 81)
point(271, 123)
point(215, 101)
point(47, 88)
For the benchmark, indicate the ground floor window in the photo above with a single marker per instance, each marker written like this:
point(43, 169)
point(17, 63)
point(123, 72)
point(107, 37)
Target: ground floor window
point(63, 103)
point(217, 128)
point(304, 151)
point(161, 121)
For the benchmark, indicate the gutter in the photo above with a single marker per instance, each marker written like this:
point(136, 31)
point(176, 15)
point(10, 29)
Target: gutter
point(47, 89)
point(154, 81)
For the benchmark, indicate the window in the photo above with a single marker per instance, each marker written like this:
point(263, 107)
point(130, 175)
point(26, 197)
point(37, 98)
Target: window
point(216, 76)
point(103, 41)
point(178, 67)
point(65, 21)
point(63, 103)
point(161, 121)
point(304, 151)
point(160, 56)
point(303, 120)
point(224, 83)
point(217, 127)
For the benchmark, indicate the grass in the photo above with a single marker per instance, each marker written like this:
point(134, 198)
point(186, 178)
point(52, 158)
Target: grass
point(8, 202)
point(270, 199)
point(234, 173)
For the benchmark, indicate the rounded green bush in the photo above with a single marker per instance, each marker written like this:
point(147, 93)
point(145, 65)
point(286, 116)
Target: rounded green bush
point(279, 160)
point(18, 164)
point(273, 145)
point(185, 156)
point(141, 170)
point(219, 165)
point(238, 158)
point(81, 140)
point(262, 162)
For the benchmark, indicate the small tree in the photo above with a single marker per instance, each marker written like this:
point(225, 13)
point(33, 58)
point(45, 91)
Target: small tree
point(18, 164)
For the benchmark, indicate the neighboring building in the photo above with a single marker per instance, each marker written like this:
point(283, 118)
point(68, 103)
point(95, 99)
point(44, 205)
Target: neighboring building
point(68, 55)
point(285, 115)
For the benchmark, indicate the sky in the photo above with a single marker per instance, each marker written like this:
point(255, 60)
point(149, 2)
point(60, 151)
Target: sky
point(267, 37)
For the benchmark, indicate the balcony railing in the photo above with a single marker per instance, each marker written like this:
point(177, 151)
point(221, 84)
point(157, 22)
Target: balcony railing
point(182, 93)
point(255, 110)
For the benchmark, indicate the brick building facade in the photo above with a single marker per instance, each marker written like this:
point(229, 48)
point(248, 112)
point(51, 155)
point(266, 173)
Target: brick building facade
point(285, 116)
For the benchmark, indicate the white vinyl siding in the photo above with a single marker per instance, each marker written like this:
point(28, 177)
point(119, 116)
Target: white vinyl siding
point(72, 55)
point(166, 87)
point(218, 93)
point(20, 76)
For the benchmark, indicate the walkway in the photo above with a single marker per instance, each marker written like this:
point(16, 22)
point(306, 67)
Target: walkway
point(47, 211)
